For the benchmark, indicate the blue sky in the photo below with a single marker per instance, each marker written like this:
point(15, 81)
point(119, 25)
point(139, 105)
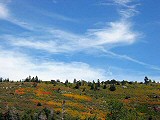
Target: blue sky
point(82, 39)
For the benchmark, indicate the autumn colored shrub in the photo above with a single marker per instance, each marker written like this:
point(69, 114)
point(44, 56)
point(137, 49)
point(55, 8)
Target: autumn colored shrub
point(20, 91)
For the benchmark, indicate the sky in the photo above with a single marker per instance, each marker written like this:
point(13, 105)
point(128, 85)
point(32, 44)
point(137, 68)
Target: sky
point(82, 39)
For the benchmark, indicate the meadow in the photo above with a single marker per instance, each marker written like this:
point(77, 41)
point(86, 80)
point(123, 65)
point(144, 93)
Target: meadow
point(80, 100)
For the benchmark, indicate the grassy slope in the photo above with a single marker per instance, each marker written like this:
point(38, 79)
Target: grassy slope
point(24, 97)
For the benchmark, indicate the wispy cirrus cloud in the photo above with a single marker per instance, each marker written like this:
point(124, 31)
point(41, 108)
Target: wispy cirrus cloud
point(126, 8)
point(112, 35)
point(116, 33)
point(129, 74)
point(7, 15)
point(125, 57)
point(59, 41)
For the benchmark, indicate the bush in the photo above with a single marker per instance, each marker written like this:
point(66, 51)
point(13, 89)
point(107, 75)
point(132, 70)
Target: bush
point(39, 104)
point(77, 86)
point(112, 88)
point(127, 97)
point(104, 87)
point(92, 86)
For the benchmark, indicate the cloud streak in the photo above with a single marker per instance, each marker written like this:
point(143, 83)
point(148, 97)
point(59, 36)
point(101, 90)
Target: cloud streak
point(6, 14)
point(126, 8)
point(125, 57)
point(59, 41)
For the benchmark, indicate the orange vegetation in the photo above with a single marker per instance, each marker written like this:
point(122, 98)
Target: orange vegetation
point(20, 91)
point(76, 105)
point(40, 92)
point(78, 97)
point(51, 103)
point(126, 101)
point(36, 101)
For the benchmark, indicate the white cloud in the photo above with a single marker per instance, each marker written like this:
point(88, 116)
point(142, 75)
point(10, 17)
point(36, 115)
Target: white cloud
point(20, 23)
point(8, 16)
point(59, 41)
point(4, 12)
point(112, 35)
point(122, 2)
point(116, 33)
point(126, 8)
point(17, 66)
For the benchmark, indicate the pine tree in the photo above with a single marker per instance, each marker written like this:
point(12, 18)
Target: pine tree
point(98, 83)
point(92, 86)
point(146, 80)
point(36, 79)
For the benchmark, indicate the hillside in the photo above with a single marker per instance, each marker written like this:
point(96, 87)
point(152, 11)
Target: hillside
point(80, 100)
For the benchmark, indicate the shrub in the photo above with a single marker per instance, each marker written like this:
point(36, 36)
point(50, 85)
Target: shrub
point(92, 86)
point(39, 104)
point(127, 97)
point(77, 86)
point(112, 88)
point(104, 87)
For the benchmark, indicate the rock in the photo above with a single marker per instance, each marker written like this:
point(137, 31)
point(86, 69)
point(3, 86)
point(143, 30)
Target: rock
point(124, 86)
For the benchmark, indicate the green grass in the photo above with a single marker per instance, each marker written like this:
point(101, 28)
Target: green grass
point(80, 103)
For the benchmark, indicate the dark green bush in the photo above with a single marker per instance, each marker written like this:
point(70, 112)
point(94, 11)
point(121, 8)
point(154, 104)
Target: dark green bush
point(112, 88)
point(39, 104)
